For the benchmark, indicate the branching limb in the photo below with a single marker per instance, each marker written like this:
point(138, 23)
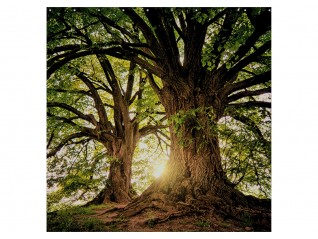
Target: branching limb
point(71, 109)
point(149, 129)
point(84, 92)
point(64, 142)
point(246, 93)
point(65, 120)
point(249, 59)
point(250, 124)
point(252, 104)
point(153, 84)
point(99, 105)
point(130, 82)
point(108, 22)
point(50, 140)
point(255, 80)
point(146, 30)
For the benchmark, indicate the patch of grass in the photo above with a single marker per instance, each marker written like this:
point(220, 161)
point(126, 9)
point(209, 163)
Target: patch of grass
point(92, 225)
point(122, 218)
point(61, 222)
point(113, 227)
point(81, 211)
point(224, 224)
point(203, 223)
point(100, 206)
point(73, 220)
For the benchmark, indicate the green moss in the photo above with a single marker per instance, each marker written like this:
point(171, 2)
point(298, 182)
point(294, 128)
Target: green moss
point(203, 223)
point(74, 220)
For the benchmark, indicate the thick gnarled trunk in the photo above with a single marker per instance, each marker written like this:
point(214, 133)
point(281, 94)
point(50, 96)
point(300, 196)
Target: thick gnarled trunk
point(194, 178)
point(195, 154)
point(120, 175)
point(118, 188)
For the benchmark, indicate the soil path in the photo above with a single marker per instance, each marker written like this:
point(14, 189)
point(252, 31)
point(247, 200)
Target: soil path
point(146, 222)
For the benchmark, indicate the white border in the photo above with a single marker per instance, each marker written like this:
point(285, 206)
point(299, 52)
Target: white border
point(22, 119)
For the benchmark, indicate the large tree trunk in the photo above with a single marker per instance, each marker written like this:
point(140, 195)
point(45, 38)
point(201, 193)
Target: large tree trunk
point(118, 188)
point(194, 178)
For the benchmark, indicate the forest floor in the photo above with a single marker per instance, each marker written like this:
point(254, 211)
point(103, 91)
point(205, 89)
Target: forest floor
point(101, 218)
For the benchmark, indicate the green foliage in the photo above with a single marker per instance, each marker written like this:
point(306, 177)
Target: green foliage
point(246, 156)
point(203, 223)
point(219, 50)
point(113, 227)
point(73, 220)
point(79, 169)
point(182, 117)
point(76, 182)
point(201, 17)
point(75, 176)
point(200, 119)
point(185, 119)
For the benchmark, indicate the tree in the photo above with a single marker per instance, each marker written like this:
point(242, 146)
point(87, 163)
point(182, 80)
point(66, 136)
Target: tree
point(212, 63)
point(89, 100)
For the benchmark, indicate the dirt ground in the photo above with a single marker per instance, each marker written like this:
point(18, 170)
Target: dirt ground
point(151, 220)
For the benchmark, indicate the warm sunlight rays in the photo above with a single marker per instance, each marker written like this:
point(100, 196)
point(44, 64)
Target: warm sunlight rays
point(158, 169)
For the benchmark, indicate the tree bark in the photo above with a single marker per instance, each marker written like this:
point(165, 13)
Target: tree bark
point(119, 187)
point(194, 179)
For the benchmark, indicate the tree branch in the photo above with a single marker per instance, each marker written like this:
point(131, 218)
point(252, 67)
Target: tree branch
point(97, 100)
point(66, 120)
point(262, 24)
point(57, 57)
point(163, 134)
point(89, 131)
point(150, 129)
point(130, 82)
point(257, 79)
point(246, 93)
point(64, 48)
point(71, 109)
point(50, 140)
point(147, 32)
point(249, 104)
point(113, 51)
point(249, 59)
point(153, 84)
point(226, 30)
point(64, 142)
point(161, 22)
point(113, 24)
point(153, 69)
point(181, 34)
point(70, 91)
point(217, 16)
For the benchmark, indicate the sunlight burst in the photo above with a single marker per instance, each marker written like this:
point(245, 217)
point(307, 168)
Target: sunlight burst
point(158, 169)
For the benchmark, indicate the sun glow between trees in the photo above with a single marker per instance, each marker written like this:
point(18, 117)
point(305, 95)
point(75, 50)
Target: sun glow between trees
point(158, 169)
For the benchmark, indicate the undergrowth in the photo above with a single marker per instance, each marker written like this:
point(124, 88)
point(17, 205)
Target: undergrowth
point(74, 220)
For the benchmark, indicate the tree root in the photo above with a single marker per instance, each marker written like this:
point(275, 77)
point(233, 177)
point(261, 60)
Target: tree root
point(230, 205)
point(110, 210)
point(158, 220)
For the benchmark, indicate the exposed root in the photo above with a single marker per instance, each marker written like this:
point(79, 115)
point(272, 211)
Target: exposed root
point(111, 210)
point(228, 205)
point(107, 195)
point(232, 206)
point(158, 220)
